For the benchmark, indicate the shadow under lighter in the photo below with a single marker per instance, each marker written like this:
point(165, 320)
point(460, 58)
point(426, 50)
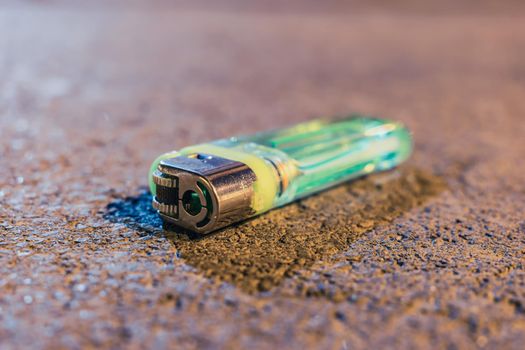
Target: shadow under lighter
point(208, 186)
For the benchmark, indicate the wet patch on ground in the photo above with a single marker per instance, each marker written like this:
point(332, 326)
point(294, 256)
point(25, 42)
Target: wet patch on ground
point(258, 254)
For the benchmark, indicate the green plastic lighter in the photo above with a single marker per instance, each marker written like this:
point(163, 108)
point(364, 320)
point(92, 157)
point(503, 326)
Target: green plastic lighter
point(208, 186)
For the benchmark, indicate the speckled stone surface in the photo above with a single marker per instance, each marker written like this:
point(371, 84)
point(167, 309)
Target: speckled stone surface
point(429, 255)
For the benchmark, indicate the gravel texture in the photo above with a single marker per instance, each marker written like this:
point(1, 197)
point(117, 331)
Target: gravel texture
point(429, 255)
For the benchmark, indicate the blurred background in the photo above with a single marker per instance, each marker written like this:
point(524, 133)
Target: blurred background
point(152, 76)
point(92, 91)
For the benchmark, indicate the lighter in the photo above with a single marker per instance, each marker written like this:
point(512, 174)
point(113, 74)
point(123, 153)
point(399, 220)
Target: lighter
point(208, 186)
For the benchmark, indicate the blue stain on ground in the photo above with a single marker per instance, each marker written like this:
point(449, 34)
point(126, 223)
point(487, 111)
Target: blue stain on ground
point(135, 212)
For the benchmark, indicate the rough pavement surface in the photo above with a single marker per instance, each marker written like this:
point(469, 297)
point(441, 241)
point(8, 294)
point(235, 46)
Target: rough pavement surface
point(428, 255)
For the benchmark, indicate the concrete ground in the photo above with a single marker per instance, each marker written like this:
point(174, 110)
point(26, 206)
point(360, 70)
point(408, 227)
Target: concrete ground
point(430, 255)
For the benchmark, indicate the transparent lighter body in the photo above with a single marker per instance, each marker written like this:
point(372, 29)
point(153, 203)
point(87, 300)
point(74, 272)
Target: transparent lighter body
point(297, 161)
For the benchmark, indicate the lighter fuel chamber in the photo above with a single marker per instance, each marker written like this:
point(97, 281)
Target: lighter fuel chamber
point(206, 187)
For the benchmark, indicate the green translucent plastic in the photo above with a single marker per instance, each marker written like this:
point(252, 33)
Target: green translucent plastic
point(315, 155)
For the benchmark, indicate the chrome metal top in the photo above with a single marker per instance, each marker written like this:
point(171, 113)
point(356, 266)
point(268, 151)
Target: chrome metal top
point(202, 192)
